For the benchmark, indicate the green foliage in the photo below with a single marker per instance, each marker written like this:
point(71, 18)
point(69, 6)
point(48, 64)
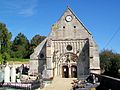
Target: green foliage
point(5, 37)
point(20, 39)
point(20, 46)
point(105, 57)
point(5, 56)
point(36, 40)
point(5, 43)
point(110, 62)
point(1, 58)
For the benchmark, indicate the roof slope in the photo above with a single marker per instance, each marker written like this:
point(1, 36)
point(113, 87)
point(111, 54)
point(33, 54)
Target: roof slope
point(38, 49)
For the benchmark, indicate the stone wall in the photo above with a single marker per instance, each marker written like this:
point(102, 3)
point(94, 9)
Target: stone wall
point(67, 31)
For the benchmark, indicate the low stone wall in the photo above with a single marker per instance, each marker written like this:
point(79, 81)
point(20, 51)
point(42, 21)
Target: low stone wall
point(108, 83)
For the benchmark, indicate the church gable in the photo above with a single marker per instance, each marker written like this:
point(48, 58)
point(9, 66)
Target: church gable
point(69, 27)
point(39, 50)
point(68, 51)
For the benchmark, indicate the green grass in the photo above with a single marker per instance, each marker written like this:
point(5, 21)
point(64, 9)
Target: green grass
point(18, 60)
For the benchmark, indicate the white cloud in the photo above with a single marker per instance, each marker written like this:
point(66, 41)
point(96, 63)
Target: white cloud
point(20, 7)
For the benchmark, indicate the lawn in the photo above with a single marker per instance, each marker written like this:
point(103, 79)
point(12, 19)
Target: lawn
point(18, 61)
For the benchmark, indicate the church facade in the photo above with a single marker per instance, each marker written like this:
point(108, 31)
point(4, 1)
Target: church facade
point(69, 51)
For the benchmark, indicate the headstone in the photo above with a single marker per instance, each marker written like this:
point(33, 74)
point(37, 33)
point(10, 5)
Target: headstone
point(13, 74)
point(1, 74)
point(7, 74)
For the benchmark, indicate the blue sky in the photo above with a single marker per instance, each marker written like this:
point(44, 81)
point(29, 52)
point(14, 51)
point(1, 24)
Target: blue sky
point(31, 17)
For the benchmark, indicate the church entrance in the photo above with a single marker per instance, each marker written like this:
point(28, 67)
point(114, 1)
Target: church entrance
point(68, 68)
point(65, 72)
point(74, 71)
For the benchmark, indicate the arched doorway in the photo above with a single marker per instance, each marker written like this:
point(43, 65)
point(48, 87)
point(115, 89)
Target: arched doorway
point(74, 71)
point(65, 72)
point(64, 65)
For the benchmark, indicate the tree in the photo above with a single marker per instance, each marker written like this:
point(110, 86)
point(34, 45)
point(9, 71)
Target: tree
point(36, 40)
point(5, 39)
point(110, 62)
point(105, 57)
point(5, 43)
point(20, 46)
point(5, 57)
point(1, 58)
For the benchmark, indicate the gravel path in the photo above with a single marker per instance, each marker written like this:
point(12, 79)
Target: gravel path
point(60, 84)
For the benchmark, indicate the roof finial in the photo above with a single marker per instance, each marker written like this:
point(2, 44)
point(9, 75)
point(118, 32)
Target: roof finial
point(68, 7)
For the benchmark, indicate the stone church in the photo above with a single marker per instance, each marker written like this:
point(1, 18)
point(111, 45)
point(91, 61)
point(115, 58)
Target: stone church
point(69, 51)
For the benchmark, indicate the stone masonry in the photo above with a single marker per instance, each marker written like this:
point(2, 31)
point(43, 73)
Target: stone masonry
point(68, 51)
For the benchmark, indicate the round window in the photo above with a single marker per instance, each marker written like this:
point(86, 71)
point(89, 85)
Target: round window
point(41, 55)
point(69, 47)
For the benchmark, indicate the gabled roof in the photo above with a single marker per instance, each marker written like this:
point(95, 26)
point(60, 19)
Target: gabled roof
point(69, 9)
point(38, 49)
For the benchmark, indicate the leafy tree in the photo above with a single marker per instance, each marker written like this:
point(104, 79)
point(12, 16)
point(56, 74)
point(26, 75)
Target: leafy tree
point(110, 62)
point(36, 40)
point(5, 57)
point(5, 43)
point(114, 67)
point(1, 58)
point(5, 37)
point(105, 57)
point(20, 46)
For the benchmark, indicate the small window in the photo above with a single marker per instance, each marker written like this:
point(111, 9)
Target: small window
point(74, 26)
point(69, 47)
point(41, 55)
point(63, 26)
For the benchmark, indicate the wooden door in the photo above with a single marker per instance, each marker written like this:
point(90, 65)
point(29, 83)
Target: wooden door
point(74, 71)
point(65, 72)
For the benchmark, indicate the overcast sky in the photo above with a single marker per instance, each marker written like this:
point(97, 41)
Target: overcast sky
point(31, 17)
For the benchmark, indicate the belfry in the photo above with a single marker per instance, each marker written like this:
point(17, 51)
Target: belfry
point(69, 51)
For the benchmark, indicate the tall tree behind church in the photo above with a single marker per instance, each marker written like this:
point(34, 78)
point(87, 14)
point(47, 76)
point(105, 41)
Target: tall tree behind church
point(36, 40)
point(20, 46)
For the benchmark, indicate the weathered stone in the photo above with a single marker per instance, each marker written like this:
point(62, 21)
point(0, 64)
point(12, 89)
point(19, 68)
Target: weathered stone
point(68, 51)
